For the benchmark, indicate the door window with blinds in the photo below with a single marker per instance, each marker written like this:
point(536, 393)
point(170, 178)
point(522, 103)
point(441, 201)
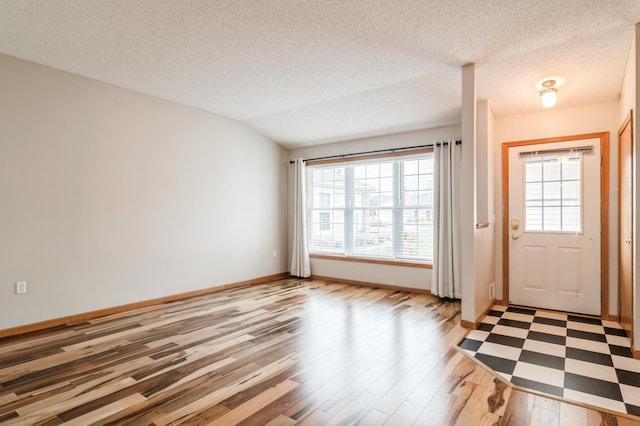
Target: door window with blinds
point(553, 192)
point(380, 208)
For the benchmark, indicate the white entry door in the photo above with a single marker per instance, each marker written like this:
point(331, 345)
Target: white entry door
point(554, 226)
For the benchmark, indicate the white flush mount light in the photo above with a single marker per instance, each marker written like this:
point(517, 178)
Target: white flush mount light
point(548, 93)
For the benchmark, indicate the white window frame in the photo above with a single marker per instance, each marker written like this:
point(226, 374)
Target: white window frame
point(346, 251)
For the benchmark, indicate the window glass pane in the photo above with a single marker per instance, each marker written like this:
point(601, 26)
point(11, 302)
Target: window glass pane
point(551, 168)
point(571, 193)
point(373, 170)
point(553, 193)
point(551, 220)
point(424, 198)
point(533, 170)
point(417, 236)
point(533, 219)
point(410, 182)
point(571, 168)
point(371, 201)
point(325, 199)
point(425, 241)
point(373, 232)
point(411, 198)
point(533, 194)
point(325, 221)
point(417, 227)
point(327, 187)
point(337, 242)
point(426, 166)
point(386, 199)
point(411, 167)
point(386, 184)
point(327, 194)
point(337, 231)
point(408, 216)
point(372, 185)
point(359, 199)
point(410, 240)
point(386, 170)
point(428, 198)
point(424, 182)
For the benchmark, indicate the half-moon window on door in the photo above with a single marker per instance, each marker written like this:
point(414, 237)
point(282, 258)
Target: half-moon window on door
point(553, 192)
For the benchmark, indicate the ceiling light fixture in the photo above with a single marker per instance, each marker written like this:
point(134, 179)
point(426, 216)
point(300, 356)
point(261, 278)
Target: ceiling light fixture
point(548, 93)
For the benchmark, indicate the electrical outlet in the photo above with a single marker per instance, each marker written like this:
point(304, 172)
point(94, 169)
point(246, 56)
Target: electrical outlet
point(275, 254)
point(492, 292)
point(21, 287)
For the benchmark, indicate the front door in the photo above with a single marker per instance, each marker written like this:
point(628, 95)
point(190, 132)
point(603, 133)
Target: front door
point(555, 225)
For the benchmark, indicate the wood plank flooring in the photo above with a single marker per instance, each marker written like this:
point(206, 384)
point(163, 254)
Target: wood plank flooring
point(293, 351)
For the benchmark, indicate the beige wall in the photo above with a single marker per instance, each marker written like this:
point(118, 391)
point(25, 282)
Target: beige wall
point(110, 197)
point(602, 117)
point(381, 274)
point(628, 91)
point(629, 98)
point(633, 73)
point(468, 193)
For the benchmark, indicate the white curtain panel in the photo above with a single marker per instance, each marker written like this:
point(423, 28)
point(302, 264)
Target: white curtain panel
point(300, 265)
point(447, 270)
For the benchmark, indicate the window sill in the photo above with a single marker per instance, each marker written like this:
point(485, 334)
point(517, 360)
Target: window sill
point(344, 258)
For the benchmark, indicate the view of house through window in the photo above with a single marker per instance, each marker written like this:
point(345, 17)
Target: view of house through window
point(377, 208)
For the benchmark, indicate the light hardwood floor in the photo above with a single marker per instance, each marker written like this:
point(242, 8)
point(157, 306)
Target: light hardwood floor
point(289, 352)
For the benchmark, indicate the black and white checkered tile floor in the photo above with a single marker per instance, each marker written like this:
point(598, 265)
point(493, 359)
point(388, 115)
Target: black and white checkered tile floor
point(580, 359)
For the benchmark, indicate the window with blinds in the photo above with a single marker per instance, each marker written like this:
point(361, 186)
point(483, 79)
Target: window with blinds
point(380, 208)
point(553, 193)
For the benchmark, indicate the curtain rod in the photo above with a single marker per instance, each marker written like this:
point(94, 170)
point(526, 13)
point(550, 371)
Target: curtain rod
point(586, 148)
point(378, 151)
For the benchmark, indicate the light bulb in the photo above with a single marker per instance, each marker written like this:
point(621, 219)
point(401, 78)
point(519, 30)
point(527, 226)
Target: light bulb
point(548, 94)
point(549, 97)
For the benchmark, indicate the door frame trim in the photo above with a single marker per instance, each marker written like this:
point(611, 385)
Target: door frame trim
point(604, 212)
point(627, 122)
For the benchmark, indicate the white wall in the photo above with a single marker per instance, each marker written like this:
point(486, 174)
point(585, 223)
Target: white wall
point(111, 197)
point(367, 272)
point(602, 117)
point(484, 238)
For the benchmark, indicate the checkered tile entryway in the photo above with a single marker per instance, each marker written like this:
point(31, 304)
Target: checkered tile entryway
point(577, 358)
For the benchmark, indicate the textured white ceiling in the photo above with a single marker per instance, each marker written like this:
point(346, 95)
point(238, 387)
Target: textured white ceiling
point(305, 72)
